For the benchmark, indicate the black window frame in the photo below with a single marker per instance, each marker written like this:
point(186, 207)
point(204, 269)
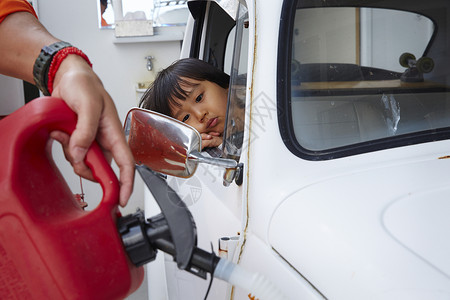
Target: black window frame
point(284, 111)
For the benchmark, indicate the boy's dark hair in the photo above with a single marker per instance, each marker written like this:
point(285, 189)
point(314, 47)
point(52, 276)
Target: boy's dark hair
point(166, 87)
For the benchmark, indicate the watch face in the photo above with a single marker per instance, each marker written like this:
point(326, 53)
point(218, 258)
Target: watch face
point(49, 50)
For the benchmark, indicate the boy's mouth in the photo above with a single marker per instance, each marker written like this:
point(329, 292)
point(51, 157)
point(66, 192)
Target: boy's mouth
point(211, 123)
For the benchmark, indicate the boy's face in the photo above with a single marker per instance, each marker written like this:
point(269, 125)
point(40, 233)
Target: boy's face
point(204, 108)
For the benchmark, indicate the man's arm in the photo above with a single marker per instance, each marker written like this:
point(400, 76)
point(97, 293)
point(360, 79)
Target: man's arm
point(21, 39)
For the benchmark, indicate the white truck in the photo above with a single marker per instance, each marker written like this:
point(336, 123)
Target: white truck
point(342, 147)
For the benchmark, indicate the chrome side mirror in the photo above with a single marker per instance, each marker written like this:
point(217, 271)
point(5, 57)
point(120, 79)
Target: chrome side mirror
point(169, 146)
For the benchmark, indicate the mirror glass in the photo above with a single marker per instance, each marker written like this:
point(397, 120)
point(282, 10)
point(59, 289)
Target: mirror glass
point(106, 14)
point(137, 9)
point(161, 12)
point(162, 143)
point(170, 13)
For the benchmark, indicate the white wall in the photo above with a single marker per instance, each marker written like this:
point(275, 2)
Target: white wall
point(119, 66)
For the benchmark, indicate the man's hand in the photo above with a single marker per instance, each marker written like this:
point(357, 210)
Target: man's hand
point(82, 90)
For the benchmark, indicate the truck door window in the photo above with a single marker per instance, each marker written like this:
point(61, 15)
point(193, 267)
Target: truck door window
point(234, 130)
point(363, 79)
point(213, 22)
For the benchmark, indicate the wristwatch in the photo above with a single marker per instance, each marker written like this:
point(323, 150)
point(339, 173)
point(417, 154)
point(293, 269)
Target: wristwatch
point(42, 64)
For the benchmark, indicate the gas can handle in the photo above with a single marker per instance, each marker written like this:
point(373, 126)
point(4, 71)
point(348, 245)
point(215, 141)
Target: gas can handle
point(49, 114)
point(96, 161)
point(103, 174)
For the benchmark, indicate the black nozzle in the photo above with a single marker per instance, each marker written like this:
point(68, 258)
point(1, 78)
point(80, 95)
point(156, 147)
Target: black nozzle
point(143, 238)
point(136, 243)
point(173, 231)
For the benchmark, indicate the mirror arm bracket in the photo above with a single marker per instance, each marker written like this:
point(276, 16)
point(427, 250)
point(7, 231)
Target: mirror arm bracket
point(220, 162)
point(236, 174)
point(233, 170)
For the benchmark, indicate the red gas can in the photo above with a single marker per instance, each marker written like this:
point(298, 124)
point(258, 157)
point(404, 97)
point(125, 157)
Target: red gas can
point(50, 248)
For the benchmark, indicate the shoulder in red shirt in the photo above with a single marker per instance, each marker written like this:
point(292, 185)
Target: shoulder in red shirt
point(8, 7)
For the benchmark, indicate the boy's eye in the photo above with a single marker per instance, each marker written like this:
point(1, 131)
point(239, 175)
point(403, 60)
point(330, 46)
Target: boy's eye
point(186, 117)
point(199, 98)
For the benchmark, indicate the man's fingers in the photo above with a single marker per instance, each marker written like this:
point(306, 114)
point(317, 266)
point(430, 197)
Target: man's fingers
point(63, 139)
point(83, 170)
point(111, 138)
point(80, 168)
point(85, 131)
point(126, 183)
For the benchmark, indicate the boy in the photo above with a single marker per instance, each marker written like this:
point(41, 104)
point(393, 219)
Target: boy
point(194, 92)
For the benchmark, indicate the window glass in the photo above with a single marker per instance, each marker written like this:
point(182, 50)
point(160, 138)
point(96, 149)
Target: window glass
point(365, 74)
point(234, 131)
point(217, 35)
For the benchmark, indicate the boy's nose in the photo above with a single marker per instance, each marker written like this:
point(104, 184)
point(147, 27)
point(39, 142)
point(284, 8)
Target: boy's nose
point(200, 115)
